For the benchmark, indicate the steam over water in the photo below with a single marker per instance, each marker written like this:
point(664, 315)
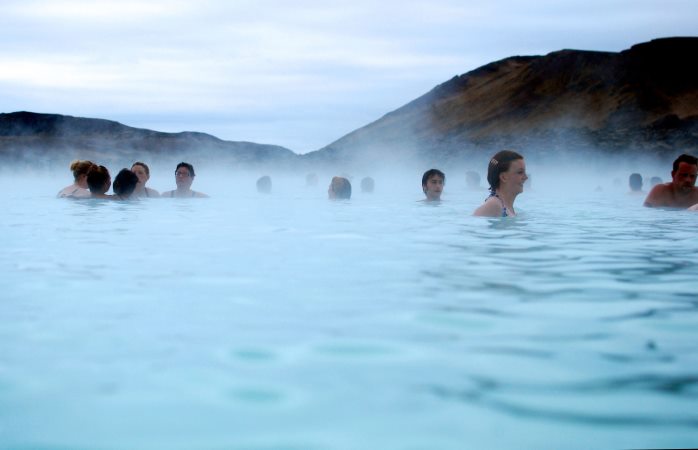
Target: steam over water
point(287, 321)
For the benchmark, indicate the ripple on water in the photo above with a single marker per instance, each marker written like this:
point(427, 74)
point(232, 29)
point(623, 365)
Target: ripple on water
point(660, 400)
point(254, 355)
point(256, 395)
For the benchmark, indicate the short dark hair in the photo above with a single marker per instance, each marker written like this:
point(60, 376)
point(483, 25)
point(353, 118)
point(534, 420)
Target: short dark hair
point(125, 183)
point(690, 159)
point(499, 164)
point(635, 181)
point(189, 167)
point(430, 173)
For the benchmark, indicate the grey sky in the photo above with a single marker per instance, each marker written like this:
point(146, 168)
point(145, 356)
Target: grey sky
point(298, 74)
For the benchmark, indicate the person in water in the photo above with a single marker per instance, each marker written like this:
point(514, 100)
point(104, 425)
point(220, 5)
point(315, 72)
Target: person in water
point(264, 185)
point(99, 182)
point(367, 185)
point(472, 181)
point(635, 183)
point(506, 174)
point(433, 182)
point(125, 184)
point(184, 177)
point(311, 179)
point(340, 188)
point(79, 187)
point(143, 173)
point(681, 191)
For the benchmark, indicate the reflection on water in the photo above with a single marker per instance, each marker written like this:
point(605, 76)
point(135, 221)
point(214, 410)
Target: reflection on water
point(372, 323)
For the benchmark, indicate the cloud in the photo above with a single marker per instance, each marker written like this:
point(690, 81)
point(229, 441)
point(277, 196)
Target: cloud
point(73, 11)
point(323, 67)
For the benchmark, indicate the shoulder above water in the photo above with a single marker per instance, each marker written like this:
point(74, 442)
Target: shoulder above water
point(73, 191)
point(491, 208)
point(175, 194)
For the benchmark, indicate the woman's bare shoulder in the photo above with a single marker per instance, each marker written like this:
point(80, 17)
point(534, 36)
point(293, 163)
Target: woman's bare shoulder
point(491, 208)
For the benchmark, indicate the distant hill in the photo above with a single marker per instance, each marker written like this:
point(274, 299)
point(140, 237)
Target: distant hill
point(48, 139)
point(643, 101)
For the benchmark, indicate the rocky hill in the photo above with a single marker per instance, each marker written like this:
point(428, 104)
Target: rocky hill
point(50, 138)
point(643, 101)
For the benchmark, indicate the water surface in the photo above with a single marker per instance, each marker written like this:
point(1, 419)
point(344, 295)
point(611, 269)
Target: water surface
point(287, 321)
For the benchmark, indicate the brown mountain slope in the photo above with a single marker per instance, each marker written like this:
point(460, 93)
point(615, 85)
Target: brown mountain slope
point(644, 100)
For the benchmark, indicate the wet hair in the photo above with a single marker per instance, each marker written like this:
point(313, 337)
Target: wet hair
point(430, 173)
point(367, 184)
point(341, 187)
point(80, 167)
point(264, 184)
point(189, 167)
point(125, 183)
point(690, 159)
point(635, 181)
point(144, 165)
point(499, 164)
point(97, 178)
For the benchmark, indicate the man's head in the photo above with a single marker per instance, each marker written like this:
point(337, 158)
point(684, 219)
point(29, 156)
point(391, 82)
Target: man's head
point(264, 184)
point(635, 182)
point(340, 188)
point(433, 182)
point(472, 180)
point(683, 175)
point(184, 175)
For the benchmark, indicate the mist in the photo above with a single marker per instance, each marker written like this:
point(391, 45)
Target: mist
point(565, 175)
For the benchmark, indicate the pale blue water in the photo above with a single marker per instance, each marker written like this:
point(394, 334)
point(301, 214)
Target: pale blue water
point(291, 322)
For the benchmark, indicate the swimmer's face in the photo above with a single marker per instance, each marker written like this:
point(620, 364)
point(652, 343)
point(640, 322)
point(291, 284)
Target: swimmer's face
point(142, 175)
point(433, 188)
point(515, 177)
point(684, 178)
point(183, 178)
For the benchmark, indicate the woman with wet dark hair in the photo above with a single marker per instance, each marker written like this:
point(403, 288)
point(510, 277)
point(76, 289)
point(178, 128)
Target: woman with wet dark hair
point(506, 174)
point(79, 188)
point(99, 182)
point(125, 184)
